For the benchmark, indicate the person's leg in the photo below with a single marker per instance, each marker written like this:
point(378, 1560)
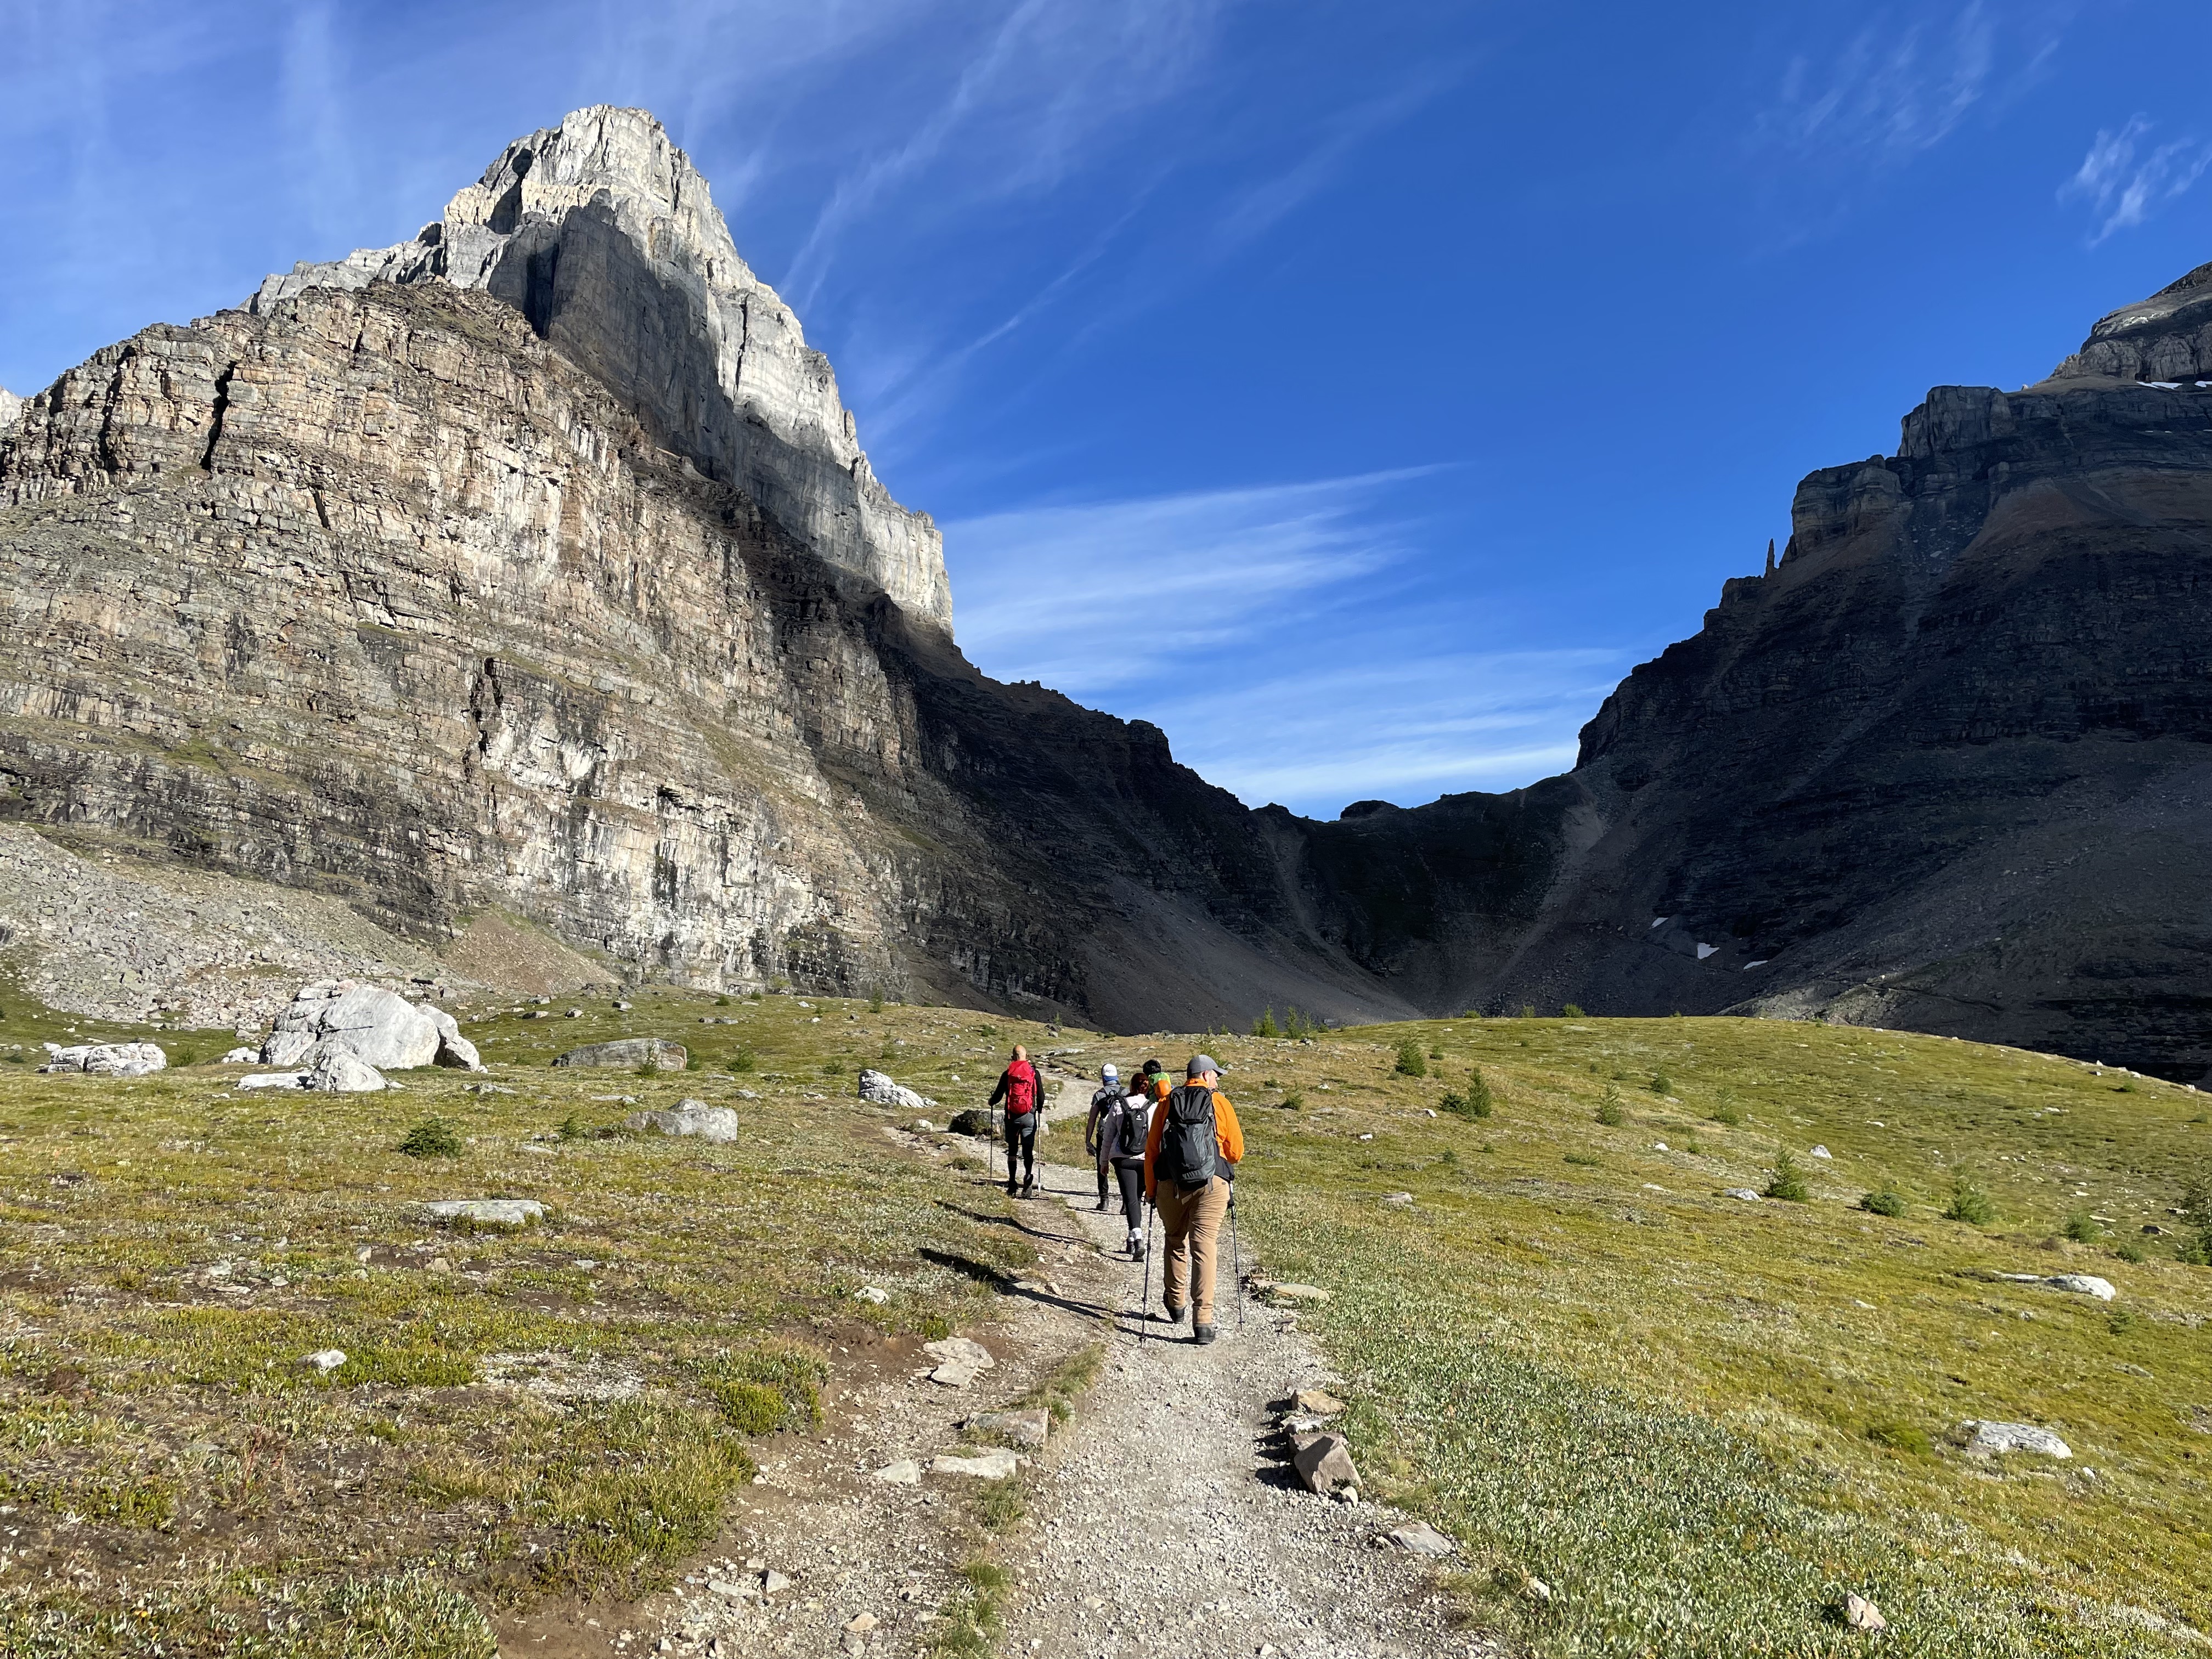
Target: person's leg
point(1013, 1150)
point(1028, 1151)
point(1101, 1183)
point(1207, 1210)
point(1175, 1258)
point(1131, 1174)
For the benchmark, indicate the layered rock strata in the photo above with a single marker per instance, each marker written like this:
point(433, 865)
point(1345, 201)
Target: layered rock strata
point(526, 582)
point(605, 237)
point(1948, 767)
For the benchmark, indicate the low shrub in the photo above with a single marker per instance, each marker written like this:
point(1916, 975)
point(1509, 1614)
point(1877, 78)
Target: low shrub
point(1789, 1180)
point(744, 1060)
point(1610, 1111)
point(1969, 1203)
point(1661, 1084)
point(2083, 1227)
point(2129, 1250)
point(432, 1138)
point(1886, 1200)
point(1572, 1010)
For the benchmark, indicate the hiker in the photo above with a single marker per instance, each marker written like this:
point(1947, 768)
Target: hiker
point(1023, 1090)
point(1190, 1157)
point(1122, 1131)
point(1110, 1091)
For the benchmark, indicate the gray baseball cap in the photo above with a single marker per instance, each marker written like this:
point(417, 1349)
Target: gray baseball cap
point(1201, 1064)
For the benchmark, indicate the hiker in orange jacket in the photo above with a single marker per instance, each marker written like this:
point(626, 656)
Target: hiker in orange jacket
point(1021, 1085)
point(1190, 1159)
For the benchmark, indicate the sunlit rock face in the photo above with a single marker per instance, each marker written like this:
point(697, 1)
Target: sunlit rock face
point(605, 237)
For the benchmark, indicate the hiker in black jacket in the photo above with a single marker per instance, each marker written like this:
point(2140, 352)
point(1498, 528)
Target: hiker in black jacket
point(1109, 1090)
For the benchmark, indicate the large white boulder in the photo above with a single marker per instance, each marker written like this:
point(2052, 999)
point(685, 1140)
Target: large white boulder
point(1989, 1439)
point(382, 1027)
point(338, 1070)
point(454, 1049)
point(718, 1124)
point(878, 1088)
point(105, 1059)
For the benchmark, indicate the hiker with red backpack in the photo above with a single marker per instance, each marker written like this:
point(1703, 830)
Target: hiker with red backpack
point(1021, 1086)
point(1191, 1152)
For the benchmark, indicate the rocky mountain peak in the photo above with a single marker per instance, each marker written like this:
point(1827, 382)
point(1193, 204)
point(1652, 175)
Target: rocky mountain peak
point(606, 237)
point(2165, 340)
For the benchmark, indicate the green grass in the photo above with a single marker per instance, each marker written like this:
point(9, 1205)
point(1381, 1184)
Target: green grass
point(564, 1410)
point(1786, 1430)
point(1800, 1369)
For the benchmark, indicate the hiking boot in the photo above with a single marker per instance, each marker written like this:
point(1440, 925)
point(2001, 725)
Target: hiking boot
point(1012, 1191)
point(1204, 1334)
point(1135, 1248)
point(1102, 1206)
point(1173, 1315)
point(1029, 1190)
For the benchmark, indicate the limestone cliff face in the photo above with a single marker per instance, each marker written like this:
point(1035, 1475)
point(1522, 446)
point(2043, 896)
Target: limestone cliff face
point(373, 590)
point(531, 570)
point(1947, 768)
point(605, 237)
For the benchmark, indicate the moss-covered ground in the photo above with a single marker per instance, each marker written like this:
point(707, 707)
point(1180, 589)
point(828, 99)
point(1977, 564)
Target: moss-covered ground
point(1699, 1420)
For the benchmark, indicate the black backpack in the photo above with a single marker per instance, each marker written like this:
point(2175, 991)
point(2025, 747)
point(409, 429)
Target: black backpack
point(1127, 1122)
point(1189, 1149)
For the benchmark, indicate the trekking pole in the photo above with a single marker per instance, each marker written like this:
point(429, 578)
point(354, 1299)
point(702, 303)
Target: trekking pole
point(1236, 1256)
point(1145, 1295)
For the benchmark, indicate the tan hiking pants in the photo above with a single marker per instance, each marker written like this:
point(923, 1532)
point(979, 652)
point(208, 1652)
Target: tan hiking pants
point(1194, 1236)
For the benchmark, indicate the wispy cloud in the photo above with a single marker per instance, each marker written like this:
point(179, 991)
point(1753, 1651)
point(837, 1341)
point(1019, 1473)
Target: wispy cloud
point(1890, 93)
point(1259, 208)
point(1395, 726)
point(1272, 633)
point(1089, 597)
point(2123, 185)
point(1039, 85)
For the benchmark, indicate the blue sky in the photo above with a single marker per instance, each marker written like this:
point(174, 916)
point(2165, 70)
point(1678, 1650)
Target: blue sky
point(1356, 391)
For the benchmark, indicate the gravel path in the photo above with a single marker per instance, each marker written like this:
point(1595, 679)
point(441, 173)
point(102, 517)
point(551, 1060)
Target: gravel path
point(1163, 1519)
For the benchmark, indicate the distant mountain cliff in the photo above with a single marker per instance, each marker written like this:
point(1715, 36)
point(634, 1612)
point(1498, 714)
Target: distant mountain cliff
point(532, 570)
point(1948, 768)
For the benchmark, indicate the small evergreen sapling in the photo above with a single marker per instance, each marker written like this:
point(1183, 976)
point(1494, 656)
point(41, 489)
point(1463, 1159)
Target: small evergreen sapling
point(1969, 1203)
point(1411, 1063)
point(1610, 1111)
point(432, 1138)
point(1788, 1182)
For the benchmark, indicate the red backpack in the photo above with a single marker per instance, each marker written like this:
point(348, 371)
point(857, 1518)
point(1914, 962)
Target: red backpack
point(1021, 1089)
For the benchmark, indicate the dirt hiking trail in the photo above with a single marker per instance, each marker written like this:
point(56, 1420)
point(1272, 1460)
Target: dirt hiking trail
point(1162, 1518)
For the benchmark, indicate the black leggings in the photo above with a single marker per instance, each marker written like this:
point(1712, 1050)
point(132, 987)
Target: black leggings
point(1130, 1172)
point(1021, 1135)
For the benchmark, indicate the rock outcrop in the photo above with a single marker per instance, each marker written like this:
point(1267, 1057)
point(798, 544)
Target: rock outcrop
point(378, 1026)
point(602, 236)
point(520, 596)
point(1943, 769)
point(107, 1059)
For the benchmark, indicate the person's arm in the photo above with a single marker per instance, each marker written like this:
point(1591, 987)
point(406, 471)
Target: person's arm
point(1227, 1131)
point(1153, 1153)
point(1091, 1125)
point(999, 1093)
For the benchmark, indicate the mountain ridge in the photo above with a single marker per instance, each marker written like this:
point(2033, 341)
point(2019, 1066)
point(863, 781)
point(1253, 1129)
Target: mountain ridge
point(534, 564)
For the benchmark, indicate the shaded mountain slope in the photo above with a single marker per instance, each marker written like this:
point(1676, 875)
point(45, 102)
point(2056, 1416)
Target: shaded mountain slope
point(1946, 768)
point(533, 568)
